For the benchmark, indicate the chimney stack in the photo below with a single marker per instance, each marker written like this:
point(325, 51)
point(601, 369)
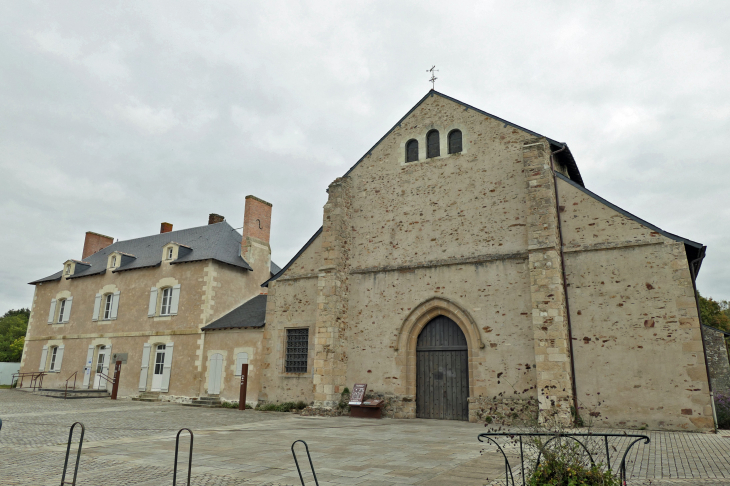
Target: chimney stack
point(165, 227)
point(95, 242)
point(256, 219)
point(215, 218)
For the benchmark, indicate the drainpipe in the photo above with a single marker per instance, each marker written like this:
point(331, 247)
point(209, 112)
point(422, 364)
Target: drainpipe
point(565, 283)
point(693, 265)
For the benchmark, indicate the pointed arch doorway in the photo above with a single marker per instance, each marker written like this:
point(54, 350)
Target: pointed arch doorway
point(442, 371)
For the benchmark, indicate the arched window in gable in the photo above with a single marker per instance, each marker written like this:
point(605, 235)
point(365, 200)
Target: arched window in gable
point(455, 141)
point(432, 144)
point(412, 151)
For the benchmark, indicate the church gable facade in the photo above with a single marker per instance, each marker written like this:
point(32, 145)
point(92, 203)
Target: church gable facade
point(462, 265)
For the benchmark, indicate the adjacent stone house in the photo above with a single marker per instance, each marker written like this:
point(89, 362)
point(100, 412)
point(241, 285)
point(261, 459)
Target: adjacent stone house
point(150, 298)
point(463, 267)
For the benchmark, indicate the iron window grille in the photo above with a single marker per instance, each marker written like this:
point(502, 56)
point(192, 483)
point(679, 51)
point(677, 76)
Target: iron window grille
point(297, 347)
point(455, 142)
point(412, 151)
point(432, 144)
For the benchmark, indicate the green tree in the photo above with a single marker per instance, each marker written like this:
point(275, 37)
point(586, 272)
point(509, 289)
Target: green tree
point(13, 326)
point(715, 313)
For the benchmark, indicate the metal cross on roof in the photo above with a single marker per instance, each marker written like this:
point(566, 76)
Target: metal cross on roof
point(433, 79)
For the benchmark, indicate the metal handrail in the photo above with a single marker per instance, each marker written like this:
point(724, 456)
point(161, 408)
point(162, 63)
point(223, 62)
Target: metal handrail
point(554, 436)
point(68, 451)
point(108, 378)
point(35, 376)
point(190, 457)
point(301, 478)
point(74, 387)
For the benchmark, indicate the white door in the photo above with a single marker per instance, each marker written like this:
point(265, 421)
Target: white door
point(159, 368)
point(215, 370)
point(102, 366)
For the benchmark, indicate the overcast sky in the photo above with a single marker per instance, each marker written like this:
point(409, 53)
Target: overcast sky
point(114, 118)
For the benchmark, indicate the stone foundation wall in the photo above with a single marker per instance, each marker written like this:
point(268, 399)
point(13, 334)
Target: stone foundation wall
point(503, 411)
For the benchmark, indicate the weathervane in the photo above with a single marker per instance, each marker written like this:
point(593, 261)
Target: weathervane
point(433, 79)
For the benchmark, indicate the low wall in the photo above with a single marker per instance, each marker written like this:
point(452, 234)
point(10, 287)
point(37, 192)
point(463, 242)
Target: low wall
point(6, 372)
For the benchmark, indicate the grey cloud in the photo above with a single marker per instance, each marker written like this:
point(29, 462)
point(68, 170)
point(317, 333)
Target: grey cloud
point(114, 118)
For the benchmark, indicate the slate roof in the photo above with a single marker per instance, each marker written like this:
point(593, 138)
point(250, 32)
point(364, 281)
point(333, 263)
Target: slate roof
point(218, 242)
point(251, 313)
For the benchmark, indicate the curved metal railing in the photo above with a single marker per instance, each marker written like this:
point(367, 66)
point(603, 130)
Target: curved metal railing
point(68, 451)
point(301, 478)
point(190, 456)
point(509, 477)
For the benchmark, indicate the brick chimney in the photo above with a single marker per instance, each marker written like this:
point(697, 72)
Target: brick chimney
point(165, 227)
point(95, 242)
point(215, 218)
point(256, 219)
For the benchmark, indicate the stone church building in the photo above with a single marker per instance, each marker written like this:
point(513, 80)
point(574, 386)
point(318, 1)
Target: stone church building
point(462, 268)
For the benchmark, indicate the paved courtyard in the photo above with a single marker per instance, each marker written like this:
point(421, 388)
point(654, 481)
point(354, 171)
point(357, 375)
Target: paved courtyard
point(132, 443)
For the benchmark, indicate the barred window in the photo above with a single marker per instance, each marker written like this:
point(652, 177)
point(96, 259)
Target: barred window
point(455, 142)
point(412, 151)
point(297, 345)
point(432, 147)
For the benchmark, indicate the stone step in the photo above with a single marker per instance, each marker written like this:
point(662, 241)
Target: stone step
point(62, 393)
point(202, 405)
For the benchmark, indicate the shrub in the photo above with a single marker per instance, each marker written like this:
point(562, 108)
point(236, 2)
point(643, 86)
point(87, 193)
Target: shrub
point(557, 473)
point(282, 407)
point(722, 408)
point(234, 405)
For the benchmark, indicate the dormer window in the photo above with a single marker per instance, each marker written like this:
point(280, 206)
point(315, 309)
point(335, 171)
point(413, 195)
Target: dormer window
point(114, 261)
point(169, 253)
point(68, 269)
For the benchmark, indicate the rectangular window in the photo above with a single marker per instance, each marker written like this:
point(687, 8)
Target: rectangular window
point(61, 309)
point(297, 347)
point(166, 301)
point(54, 351)
point(160, 359)
point(169, 253)
point(108, 307)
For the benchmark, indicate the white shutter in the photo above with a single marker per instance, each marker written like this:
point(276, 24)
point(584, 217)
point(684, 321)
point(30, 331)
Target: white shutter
point(52, 312)
point(175, 299)
point(67, 309)
point(44, 355)
point(153, 303)
point(105, 368)
point(241, 359)
point(59, 358)
point(87, 367)
point(166, 368)
point(97, 304)
point(115, 304)
point(145, 367)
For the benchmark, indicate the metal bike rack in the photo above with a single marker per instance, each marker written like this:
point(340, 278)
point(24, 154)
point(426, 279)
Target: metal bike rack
point(297, 462)
point(190, 457)
point(68, 451)
point(509, 478)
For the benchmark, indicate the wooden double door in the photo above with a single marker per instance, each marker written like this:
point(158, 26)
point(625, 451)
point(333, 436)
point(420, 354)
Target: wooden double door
point(442, 371)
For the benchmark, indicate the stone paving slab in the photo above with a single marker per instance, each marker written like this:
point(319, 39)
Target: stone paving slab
point(132, 443)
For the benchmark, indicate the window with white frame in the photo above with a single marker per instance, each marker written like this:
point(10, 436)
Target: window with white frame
point(108, 302)
point(61, 309)
point(169, 253)
point(68, 269)
point(166, 301)
point(114, 261)
point(54, 355)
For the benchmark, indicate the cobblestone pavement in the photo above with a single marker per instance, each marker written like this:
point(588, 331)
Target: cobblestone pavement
point(132, 443)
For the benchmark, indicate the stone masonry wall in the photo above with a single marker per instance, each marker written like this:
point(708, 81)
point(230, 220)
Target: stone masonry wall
point(717, 360)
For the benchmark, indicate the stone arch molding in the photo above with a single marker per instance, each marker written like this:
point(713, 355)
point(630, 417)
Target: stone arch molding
point(427, 310)
point(415, 322)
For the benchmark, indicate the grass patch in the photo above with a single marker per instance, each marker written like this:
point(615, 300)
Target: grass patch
point(234, 405)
